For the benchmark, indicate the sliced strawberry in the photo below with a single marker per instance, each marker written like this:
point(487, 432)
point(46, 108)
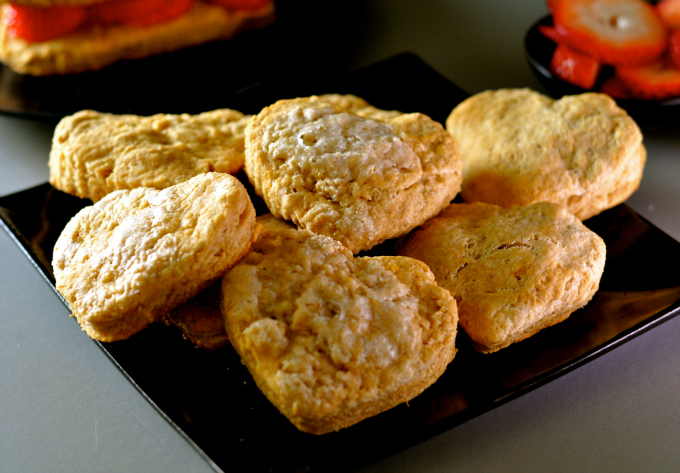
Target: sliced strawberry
point(245, 5)
point(574, 67)
point(36, 24)
point(549, 32)
point(655, 81)
point(139, 12)
point(669, 11)
point(674, 48)
point(617, 32)
point(614, 87)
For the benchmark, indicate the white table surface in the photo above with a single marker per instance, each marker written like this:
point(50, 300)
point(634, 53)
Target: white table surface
point(65, 407)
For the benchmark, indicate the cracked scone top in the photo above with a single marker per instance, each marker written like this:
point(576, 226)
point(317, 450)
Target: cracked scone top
point(125, 261)
point(96, 153)
point(338, 167)
point(512, 271)
point(332, 339)
point(520, 147)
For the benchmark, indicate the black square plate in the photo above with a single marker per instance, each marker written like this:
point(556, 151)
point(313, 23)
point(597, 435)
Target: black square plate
point(212, 400)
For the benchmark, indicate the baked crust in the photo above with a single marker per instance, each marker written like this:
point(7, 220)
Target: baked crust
point(331, 339)
point(512, 271)
point(127, 260)
point(95, 153)
point(200, 319)
point(336, 166)
point(97, 47)
point(520, 147)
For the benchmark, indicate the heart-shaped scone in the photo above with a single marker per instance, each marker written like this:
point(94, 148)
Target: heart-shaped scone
point(332, 339)
point(338, 167)
point(125, 261)
point(520, 147)
point(513, 272)
point(95, 153)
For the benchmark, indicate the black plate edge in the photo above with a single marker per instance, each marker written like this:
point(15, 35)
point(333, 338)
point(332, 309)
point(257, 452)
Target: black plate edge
point(24, 247)
point(425, 433)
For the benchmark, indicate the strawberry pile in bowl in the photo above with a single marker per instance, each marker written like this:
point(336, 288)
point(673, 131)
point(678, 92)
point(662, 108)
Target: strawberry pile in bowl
point(628, 49)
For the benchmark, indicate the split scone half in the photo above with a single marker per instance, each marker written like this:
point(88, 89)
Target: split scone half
point(332, 339)
point(338, 167)
point(125, 261)
point(520, 147)
point(513, 272)
point(96, 153)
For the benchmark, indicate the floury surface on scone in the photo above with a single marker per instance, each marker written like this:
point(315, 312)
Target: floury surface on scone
point(336, 166)
point(513, 272)
point(520, 147)
point(330, 338)
point(125, 261)
point(96, 153)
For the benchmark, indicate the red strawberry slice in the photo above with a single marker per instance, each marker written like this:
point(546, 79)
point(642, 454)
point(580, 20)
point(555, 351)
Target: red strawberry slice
point(657, 81)
point(245, 5)
point(615, 88)
point(617, 32)
point(574, 67)
point(140, 12)
point(36, 24)
point(549, 32)
point(674, 48)
point(669, 11)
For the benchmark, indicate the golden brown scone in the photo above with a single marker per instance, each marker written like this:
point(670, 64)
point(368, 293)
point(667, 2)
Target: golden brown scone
point(331, 339)
point(93, 48)
point(513, 271)
point(334, 167)
point(125, 261)
point(200, 318)
point(358, 106)
point(95, 153)
point(520, 147)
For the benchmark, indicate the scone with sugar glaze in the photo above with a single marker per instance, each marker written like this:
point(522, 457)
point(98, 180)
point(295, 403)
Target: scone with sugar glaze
point(96, 153)
point(332, 339)
point(338, 167)
point(127, 260)
point(513, 272)
point(520, 147)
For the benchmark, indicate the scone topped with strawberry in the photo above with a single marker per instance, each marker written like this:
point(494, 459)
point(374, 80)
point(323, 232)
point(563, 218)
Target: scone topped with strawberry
point(47, 37)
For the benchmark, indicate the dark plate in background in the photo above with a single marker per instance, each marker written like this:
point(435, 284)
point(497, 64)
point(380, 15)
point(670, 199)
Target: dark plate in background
point(212, 400)
point(539, 49)
point(308, 37)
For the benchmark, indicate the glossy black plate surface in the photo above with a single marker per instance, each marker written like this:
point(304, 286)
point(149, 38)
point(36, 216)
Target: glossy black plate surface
point(539, 49)
point(212, 400)
point(200, 78)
